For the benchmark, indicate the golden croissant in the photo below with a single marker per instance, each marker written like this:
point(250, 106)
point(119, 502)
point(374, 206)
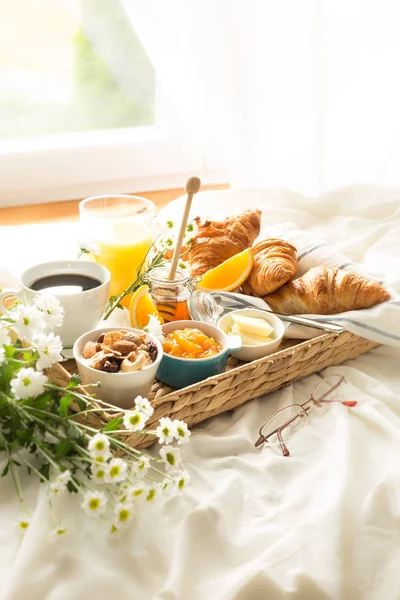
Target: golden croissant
point(326, 291)
point(275, 262)
point(216, 241)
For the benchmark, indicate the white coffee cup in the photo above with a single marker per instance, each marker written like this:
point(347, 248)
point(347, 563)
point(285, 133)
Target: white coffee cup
point(83, 310)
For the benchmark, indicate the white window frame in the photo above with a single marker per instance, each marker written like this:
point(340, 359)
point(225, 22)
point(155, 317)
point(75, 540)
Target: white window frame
point(77, 165)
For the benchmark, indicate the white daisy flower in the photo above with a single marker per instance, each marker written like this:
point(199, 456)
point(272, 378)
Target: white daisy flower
point(61, 481)
point(171, 457)
point(165, 431)
point(2, 355)
point(150, 493)
point(98, 472)
point(102, 458)
point(49, 348)
point(123, 513)
point(23, 522)
point(181, 480)
point(134, 420)
point(28, 321)
point(166, 487)
point(133, 493)
point(140, 468)
point(99, 445)
point(28, 383)
point(65, 476)
point(59, 530)
point(115, 471)
point(181, 431)
point(94, 503)
point(154, 327)
point(143, 405)
point(53, 312)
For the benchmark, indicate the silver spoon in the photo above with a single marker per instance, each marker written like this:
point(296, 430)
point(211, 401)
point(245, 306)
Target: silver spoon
point(209, 307)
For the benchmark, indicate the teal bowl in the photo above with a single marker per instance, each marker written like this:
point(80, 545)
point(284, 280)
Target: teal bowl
point(181, 372)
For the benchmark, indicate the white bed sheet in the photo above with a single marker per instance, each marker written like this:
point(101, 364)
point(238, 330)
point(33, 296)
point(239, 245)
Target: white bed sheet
point(323, 524)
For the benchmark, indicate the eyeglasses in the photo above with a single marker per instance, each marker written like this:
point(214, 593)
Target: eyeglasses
point(290, 417)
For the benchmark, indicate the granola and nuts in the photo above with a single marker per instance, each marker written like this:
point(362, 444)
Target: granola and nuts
point(120, 351)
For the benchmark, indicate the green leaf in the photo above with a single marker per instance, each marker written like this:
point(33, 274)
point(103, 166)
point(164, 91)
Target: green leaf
point(65, 403)
point(42, 401)
point(44, 470)
point(6, 469)
point(81, 403)
point(74, 382)
point(63, 448)
point(9, 351)
point(113, 425)
point(24, 436)
point(71, 488)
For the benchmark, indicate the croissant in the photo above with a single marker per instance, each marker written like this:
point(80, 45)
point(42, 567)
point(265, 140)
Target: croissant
point(216, 241)
point(326, 291)
point(275, 262)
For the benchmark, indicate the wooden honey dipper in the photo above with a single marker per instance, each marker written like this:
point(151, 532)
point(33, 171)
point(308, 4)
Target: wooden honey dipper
point(192, 187)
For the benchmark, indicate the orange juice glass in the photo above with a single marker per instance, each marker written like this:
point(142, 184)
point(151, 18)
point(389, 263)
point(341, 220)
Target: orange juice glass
point(118, 231)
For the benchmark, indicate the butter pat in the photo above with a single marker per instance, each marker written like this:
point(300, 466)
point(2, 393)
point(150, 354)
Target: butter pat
point(249, 339)
point(252, 325)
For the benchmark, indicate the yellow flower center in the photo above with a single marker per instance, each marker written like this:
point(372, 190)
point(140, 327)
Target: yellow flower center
point(124, 515)
point(114, 471)
point(94, 503)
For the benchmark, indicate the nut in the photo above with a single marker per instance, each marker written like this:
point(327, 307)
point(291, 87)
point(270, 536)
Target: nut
point(100, 339)
point(89, 350)
point(142, 360)
point(110, 350)
point(132, 356)
point(97, 361)
point(111, 337)
point(124, 346)
point(132, 337)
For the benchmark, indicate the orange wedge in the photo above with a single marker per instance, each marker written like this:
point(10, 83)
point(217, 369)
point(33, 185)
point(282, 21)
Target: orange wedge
point(140, 307)
point(230, 274)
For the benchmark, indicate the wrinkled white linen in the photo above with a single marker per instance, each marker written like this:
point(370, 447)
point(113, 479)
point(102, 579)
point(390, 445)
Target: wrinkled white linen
point(322, 524)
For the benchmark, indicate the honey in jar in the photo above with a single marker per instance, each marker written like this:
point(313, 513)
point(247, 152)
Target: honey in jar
point(171, 296)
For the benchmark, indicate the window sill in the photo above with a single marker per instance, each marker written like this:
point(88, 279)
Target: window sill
point(68, 210)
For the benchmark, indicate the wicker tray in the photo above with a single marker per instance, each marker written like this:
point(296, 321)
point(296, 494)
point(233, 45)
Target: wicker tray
point(241, 381)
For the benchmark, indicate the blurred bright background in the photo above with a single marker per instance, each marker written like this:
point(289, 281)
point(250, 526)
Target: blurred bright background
point(126, 95)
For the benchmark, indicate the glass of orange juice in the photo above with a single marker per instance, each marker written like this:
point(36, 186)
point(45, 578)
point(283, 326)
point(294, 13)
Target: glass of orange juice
point(118, 230)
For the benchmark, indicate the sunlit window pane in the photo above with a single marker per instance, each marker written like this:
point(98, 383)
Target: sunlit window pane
point(71, 66)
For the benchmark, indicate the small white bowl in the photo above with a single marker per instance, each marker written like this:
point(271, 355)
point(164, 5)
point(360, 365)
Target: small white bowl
point(249, 353)
point(119, 389)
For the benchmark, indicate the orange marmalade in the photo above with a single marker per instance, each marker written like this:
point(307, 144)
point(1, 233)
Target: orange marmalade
point(190, 343)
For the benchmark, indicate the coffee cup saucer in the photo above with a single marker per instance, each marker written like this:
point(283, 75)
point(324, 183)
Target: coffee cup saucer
point(67, 354)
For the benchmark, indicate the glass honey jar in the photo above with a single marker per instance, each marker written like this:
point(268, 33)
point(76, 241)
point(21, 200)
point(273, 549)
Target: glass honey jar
point(171, 297)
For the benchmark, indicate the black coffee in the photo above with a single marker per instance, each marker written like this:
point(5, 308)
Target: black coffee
point(72, 282)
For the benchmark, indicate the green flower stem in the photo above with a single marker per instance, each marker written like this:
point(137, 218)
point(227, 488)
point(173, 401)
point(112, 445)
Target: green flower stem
point(86, 399)
point(119, 444)
point(84, 412)
point(13, 470)
point(35, 470)
point(49, 458)
point(17, 482)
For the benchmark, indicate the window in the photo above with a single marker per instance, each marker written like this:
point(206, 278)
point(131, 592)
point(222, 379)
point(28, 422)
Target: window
point(81, 108)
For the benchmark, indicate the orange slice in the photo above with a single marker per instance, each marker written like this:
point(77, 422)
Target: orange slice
point(140, 307)
point(230, 274)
